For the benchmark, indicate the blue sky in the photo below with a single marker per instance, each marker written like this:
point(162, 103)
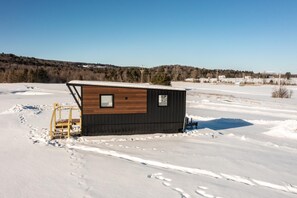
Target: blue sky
point(259, 35)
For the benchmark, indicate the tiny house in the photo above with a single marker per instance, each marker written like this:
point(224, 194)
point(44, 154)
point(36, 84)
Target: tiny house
point(115, 108)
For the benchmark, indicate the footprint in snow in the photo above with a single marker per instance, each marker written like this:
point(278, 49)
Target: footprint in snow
point(81, 183)
point(182, 193)
point(201, 191)
point(72, 157)
point(166, 183)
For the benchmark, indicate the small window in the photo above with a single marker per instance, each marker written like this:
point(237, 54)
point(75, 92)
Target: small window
point(106, 101)
point(163, 101)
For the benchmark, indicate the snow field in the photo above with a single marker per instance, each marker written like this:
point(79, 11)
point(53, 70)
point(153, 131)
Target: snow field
point(245, 146)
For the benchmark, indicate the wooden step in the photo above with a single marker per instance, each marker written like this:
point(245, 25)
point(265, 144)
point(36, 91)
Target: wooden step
point(60, 132)
point(66, 121)
point(64, 135)
point(65, 125)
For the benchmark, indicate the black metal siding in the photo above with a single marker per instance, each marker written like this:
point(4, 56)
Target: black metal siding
point(157, 119)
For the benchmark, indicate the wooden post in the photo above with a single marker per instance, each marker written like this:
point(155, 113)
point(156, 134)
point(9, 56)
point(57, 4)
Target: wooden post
point(55, 115)
point(60, 112)
point(69, 122)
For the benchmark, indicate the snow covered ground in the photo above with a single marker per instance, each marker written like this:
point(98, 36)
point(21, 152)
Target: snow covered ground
point(245, 146)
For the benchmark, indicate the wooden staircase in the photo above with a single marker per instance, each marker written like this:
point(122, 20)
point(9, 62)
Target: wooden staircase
point(64, 128)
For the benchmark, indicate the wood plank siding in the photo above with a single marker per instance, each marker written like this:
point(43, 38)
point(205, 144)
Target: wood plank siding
point(126, 100)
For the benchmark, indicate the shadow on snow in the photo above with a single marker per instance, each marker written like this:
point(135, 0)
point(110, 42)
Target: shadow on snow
point(223, 123)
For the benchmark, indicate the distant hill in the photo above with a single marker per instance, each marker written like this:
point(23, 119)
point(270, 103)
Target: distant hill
point(23, 60)
point(29, 69)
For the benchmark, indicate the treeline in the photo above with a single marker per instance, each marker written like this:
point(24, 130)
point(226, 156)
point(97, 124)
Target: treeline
point(26, 69)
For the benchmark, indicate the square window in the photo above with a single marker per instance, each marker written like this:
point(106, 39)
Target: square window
point(106, 101)
point(163, 100)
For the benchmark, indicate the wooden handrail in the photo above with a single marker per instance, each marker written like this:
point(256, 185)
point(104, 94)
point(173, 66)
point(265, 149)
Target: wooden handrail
point(53, 122)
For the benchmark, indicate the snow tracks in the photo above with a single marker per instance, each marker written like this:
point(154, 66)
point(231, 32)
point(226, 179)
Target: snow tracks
point(289, 188)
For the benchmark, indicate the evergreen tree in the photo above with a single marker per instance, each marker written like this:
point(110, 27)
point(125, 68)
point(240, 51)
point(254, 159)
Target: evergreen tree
point(161, 79)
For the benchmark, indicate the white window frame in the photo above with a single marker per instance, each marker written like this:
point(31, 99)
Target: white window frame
point(162, 97)
point(107, 106)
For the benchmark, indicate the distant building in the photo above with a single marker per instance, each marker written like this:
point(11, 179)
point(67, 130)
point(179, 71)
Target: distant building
point(192, 80)
point(222, 77)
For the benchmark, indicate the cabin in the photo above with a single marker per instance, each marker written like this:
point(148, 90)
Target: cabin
point(115, 108)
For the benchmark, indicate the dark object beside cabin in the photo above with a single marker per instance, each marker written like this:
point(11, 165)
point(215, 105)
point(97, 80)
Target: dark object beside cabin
point(190, 123)
point(135, 110)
